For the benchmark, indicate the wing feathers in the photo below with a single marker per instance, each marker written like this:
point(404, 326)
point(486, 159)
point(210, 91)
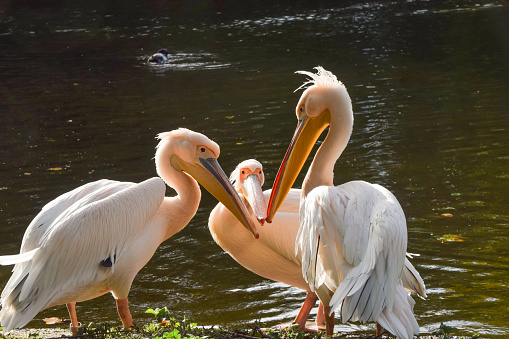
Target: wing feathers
point(58, 207)
point(353, 239)
point(412, 280)
point(74, 245)
point(400, 321)
point(17, 258)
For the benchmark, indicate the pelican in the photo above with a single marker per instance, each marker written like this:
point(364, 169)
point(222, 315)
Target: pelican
point(352, 237)
point(272, 255)
point(277, 242)
point(95, 238)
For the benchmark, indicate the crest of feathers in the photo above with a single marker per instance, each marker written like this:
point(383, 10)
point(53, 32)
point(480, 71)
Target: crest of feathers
point(321, 78)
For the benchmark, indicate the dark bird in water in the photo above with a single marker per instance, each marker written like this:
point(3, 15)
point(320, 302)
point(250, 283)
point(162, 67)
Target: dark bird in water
point(160, 57)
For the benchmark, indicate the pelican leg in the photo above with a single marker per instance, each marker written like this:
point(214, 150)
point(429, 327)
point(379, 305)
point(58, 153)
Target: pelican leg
point(308, 305)
point(379, 330)
point(123, 312)
point(329, 321)
point(320, 318)
point(71, 308)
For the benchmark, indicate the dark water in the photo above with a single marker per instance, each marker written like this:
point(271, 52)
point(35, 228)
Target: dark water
point(430, 88)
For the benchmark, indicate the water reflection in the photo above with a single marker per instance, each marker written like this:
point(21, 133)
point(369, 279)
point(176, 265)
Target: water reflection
point(429, 85)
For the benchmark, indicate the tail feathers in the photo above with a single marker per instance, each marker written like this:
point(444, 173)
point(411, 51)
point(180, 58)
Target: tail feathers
point(14, 285)
point(400, 321)
point(365, 304)
point(17, 313)
point(11, 318)
point(17, 258)
point(412, 280)
point(348, 287)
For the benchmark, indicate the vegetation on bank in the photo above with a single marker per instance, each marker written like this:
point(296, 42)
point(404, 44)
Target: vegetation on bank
point(165, 326)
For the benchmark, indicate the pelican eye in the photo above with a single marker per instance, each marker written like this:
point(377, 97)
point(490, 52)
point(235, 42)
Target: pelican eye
point(301, 109)
point(243, 172)
point(202, 149)
point(260, 172)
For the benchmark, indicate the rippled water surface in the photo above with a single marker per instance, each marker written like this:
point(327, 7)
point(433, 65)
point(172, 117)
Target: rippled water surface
point(429, 83)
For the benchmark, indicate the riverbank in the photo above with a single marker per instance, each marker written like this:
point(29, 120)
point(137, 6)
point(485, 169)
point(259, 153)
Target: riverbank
point(207, 333)
point(45, 333)
point(165, 326)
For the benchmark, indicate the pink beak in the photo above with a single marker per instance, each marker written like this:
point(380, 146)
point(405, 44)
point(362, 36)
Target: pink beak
point(254, 195)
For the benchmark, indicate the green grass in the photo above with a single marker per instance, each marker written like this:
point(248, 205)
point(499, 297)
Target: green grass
point(165, 326)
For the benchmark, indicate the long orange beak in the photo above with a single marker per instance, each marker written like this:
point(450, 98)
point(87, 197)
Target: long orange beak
point(211, 176)
point(307, 133)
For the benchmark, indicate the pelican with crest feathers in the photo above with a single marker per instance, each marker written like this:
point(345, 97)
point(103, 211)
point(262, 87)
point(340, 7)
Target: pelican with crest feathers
point(273, 255)
point(95, 238)
point(352, 237)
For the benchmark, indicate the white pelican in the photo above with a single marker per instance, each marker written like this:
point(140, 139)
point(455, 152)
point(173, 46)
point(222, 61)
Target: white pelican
point(272, 255)
point(96, 238)
point(352, 237)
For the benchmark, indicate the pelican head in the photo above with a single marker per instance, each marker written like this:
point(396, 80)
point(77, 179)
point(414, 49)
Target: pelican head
point(324, 102)
point(248, 179)
point(196, 155)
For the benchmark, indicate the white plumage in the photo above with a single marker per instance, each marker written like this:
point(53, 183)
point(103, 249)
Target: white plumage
point(352, 237)
point(70, 244)
point(95, 238)
point(272, 255)
point(359, 231)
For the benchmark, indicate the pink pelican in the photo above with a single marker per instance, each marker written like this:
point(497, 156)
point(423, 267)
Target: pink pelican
point(95, 238)
point(352, 237)
point(273, 255)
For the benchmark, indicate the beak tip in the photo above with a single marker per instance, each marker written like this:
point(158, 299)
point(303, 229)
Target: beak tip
point(256, 236)
point(261, 221)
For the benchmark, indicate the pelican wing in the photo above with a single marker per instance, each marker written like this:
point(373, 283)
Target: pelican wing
point(353, 240)
point(55, 210)
point(6, 260)
point(75, 244)
point(85, 194)
point(412, 280)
